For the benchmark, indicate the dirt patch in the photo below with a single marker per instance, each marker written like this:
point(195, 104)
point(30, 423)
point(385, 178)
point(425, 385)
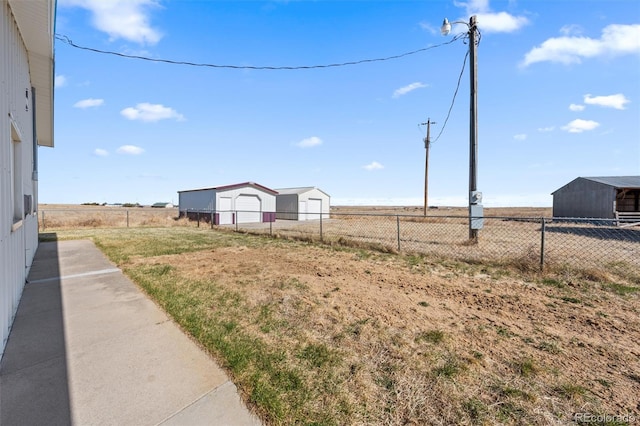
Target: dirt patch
point(437, 342)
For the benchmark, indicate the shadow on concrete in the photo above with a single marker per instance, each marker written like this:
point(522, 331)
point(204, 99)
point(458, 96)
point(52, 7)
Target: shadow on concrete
point(614, 234)
point(44, 237)
point(34, 384)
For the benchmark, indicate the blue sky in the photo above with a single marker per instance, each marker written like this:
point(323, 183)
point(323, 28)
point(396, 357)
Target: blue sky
point(558, 98)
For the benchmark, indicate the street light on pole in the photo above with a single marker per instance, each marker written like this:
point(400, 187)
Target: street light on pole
point(475, 197)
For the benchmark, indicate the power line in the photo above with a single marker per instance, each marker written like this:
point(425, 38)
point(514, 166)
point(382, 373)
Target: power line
point(63, 38)
point(453, 100)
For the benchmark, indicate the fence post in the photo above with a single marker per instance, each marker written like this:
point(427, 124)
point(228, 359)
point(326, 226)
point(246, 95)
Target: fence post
point(212, 219)
point(44, 225)
point(127, 218)
point(236, 219)
point(270, 227)
point(542, 243)
point(321, 226)
point(398, 225)
point(198, 216)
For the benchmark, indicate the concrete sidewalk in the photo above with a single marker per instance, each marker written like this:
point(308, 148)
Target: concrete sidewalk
point(87, 347)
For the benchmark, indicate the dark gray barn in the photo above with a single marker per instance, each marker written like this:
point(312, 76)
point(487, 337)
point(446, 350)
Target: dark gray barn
point(598, 197)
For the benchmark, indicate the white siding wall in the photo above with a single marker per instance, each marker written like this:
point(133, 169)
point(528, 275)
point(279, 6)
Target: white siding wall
point(316, 194)
point(268, 200)
point(18, 240)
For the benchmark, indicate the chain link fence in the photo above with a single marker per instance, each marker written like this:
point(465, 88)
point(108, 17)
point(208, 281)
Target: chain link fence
point(529, 242)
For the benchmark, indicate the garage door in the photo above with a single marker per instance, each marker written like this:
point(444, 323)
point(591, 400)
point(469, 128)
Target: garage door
point(248, 208)
point(314, 207)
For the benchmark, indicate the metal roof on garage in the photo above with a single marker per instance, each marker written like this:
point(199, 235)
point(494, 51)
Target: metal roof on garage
point(613, 181)
point(618, 181)
point(299, 190)
point(234, 186)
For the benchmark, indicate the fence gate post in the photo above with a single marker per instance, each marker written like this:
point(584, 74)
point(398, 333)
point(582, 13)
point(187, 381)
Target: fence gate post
point(542, 226)
point(398, 226)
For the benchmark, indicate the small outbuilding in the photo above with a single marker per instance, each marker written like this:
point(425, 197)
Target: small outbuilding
point(304, 203)
point(610, 197)
point(246, 202)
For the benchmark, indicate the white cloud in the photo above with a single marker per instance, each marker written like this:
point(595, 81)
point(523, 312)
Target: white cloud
point(89, 103)
point(576, 107)
point(615, 40)
point(130, 149)
point(101, 152)
point(151, 112)
point(492, 22)
point(546, 129)
point(617, 101)
point(501, 22)
point(60, 81)
point(579, 126)
point(309, 142)
point(121, 19)
point(373, 166)
point(569, 30)
point(408, 88)
point(520, 137)
point(429, 28)
point(473, 6)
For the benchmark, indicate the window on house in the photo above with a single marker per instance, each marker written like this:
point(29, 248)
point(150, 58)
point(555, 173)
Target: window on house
point(16, 173)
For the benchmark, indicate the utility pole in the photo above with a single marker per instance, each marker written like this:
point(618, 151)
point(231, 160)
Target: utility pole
point(473, 130)
point(427, 145)
point(475, 197)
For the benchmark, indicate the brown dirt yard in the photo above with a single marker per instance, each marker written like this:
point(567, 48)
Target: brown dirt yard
point(420, 341)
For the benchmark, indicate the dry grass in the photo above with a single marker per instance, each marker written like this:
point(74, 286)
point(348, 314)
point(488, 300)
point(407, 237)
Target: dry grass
point(523, 212)
point(501, 240)
point(58, 216)
point(315, 334)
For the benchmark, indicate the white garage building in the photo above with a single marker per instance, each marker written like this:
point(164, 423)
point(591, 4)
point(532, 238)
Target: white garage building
point(246, 202)
point(305, 203)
